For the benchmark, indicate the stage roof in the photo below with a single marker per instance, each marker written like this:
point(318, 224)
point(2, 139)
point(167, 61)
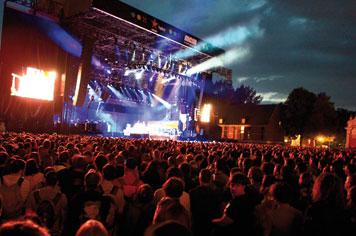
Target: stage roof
point(116, 28)
point(115, 24)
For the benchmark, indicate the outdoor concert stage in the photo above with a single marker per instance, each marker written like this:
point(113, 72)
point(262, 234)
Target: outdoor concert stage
point(120, 71)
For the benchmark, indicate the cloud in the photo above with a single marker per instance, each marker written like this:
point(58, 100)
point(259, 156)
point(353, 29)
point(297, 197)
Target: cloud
point(267, 78)
point(234, 55)
point(242, 79)
point(231, 37)
point(236, 35)
point(297, 21)
point(307, 43)
point(272, 97)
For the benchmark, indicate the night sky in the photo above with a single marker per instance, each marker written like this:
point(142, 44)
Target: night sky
point(289, 43)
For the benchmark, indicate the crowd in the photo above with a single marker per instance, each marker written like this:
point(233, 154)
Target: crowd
point(81, 185)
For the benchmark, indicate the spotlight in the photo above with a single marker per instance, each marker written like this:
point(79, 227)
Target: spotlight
point(133, 55)
point(159, 61)
point(172, 66)
point(180, 66)
point(206, 112)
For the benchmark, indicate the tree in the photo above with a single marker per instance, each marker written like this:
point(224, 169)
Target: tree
point(297, 110)
point(240, 95)
point(323, 116)
point(246, 95)
point(343, 115)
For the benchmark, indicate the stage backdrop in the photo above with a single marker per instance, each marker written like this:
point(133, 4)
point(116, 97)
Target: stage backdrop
point(25, 44)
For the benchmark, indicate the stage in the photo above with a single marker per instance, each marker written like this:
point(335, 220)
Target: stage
point(116, 71)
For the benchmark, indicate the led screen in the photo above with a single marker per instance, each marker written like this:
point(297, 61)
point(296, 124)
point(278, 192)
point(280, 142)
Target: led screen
point(35, 83)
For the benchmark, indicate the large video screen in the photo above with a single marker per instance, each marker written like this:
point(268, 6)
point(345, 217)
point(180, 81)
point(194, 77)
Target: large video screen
point(35, 83)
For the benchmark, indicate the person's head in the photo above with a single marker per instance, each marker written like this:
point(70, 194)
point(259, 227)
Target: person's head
point(171, 161)
point(205, 177)
point(46, 144)
point(171, 209)
point(267, 181)
point(120, 171)
point(220, 165)
point(174, 172)
point(277, 170)
point(63, 157)
point(328, 188)
point(34, 155)
point(46, 161)
point(306, 180)
point(281, 192)
point(290, 163)
point(199, 158)
point(109, 172)
point(92, 228)
point(31, 167)
point(4, 157)
point(246, 165)
point(169, 227)
point(51, 178)
point(337, 167)
point(287, 173)
point(234, 170)
point(185, 169)
point(48, 169)
point(238, 182)
point(173, 187)
point(152, 167)
point(255, 175)
point(91, 179)
point(16, 166)
point(79, 162)
point(267, 168)
point(100, 161)
point(23, 228)
point(351, 197)
point(27, 147)
point(144, 194)
point(350, 182)
point(89, 155)
point(301, 167)
point(350, 168)
point(130, 164)
point(183, 150)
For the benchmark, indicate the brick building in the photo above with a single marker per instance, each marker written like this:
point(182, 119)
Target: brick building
point(250, 123)
point(351, 133)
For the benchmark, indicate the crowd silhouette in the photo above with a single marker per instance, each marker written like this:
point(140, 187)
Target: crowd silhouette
point(84, 185)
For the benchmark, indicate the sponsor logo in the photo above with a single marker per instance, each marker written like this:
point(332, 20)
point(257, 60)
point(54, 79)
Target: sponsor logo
point(190, 40)
point(162, 28)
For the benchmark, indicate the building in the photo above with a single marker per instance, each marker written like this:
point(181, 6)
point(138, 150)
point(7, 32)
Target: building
point(351, 133)
point(250, 123)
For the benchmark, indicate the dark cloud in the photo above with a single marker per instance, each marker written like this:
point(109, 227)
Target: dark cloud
point(304, 43)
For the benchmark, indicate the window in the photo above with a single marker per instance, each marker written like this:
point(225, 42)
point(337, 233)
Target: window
point(225, 131)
